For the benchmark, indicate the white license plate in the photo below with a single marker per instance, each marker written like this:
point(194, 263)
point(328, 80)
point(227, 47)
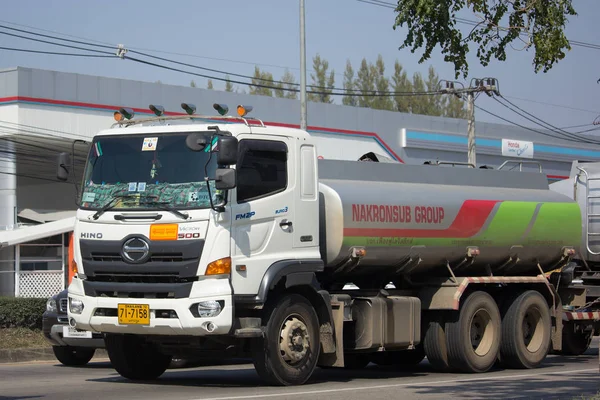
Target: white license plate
point(70, 332)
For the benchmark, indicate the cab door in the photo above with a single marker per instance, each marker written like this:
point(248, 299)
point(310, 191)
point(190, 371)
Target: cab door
point(263, 215)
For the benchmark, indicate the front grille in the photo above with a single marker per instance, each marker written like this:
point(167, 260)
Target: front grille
point(126, 277)
point(63, 305)
point(116, 257)
point(136, 295)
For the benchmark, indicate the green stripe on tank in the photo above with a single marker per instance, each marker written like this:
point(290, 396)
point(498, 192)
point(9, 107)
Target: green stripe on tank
point(557, 221)
point(510, 222)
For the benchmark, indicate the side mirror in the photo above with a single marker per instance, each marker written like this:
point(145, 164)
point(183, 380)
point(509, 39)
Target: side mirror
point(64, 160)
point(196, 141)
point(228, 150)
point(225, 178)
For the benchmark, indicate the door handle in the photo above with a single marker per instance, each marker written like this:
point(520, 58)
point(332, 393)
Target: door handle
point(285, 223)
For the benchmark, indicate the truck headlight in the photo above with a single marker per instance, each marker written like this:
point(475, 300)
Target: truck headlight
point(75, 306)
point(207, 309)
point(51, 305)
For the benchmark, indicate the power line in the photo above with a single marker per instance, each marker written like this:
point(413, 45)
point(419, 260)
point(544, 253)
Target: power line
point(54, 44)
point(162, 51)
point(542, 123)
point(56, 53)
point(330, 91)
point(519, 125)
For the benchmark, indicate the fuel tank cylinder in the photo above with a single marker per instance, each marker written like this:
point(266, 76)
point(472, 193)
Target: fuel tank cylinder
point(394, 218)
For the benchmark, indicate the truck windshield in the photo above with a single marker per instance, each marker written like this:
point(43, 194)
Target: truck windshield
point(147, 172)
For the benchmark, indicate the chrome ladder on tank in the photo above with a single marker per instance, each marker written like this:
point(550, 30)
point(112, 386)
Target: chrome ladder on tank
point(589, 199)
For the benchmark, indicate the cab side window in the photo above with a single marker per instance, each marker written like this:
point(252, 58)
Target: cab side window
point(261, 169)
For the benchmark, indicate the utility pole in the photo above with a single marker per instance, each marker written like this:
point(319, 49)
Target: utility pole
point(302, 69)
point(471, 159)
point(488, 86)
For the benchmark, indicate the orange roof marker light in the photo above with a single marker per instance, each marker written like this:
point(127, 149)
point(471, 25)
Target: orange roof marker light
point(157, 110)
point(123, 113)
point(222, 109)
point(190, 109)
point(243, 110)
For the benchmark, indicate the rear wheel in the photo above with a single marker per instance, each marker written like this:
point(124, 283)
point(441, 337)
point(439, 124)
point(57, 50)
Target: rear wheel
point(73, 356)
point(526, 331)
point(288, 353)
point(474, 337)
point(134, 359)
point(434, 342)
point(575, 341)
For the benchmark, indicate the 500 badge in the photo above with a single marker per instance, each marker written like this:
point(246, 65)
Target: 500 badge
point(189, 235)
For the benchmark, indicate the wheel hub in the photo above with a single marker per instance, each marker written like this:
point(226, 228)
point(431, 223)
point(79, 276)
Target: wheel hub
point(294, 340)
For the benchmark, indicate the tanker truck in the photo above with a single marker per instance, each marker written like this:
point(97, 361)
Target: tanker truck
point(225, 236)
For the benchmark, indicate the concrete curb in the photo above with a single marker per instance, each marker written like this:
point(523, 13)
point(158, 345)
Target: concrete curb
point(38, 354)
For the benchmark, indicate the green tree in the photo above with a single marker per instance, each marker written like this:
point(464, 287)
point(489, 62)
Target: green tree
point(192, 83)
point(349, 98)
point(261, 78)
point(365, 83)
point(228, 85)
point(419, 103)
point(209, 84)
point(536, 23)
point(455, 108)
point(321, 82)
point(382, 84)
point(435, 103)
point(401, 84)
point(287, 87)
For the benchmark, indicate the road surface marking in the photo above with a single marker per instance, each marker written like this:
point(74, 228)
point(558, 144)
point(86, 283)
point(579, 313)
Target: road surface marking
point(309, 392)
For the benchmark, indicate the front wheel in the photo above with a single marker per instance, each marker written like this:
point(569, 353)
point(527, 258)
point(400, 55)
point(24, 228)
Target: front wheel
point(134, 359)
point(73, 356)
point(288, 353)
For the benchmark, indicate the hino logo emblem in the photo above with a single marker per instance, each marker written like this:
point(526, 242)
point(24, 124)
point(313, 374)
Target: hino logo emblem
point(136, 250)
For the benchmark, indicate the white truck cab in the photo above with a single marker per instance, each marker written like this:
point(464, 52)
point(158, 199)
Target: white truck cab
point(165, 246)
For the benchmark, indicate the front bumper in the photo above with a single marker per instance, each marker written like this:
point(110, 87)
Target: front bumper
point(184, 324)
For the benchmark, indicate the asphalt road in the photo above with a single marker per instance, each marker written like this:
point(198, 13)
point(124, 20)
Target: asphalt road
point(558, 378)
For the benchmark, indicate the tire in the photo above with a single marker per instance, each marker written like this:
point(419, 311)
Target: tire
point(276, 359)
point(133, 359)
point(474, 337)
point(434, 343)
point(73, 356)
point(574, 342)
point(526, 331)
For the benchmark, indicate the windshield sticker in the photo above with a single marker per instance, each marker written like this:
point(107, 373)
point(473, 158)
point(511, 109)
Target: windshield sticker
point(141, 187)
point(150, 144)
point(132, 186)
point(198, 196)
point(97, 149)
point(213, 145)
point(88, 197)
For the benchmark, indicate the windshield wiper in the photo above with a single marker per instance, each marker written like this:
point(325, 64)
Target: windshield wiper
point(110, 204)
point(164, 205)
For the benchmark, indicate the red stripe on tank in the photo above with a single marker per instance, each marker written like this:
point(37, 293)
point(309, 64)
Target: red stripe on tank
point(470, 219)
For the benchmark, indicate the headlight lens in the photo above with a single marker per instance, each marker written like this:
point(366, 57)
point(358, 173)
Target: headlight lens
point(51, 305)
point(209, 308)
point(75, 306)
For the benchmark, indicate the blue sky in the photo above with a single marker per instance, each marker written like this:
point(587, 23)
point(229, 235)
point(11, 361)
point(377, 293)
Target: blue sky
point(236, 35)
